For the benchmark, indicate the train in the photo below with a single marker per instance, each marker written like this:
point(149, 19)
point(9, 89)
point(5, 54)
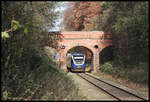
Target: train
point(76, 62)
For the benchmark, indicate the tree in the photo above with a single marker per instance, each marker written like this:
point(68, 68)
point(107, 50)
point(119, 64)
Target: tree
point(22, 27)
point(82, 16)
point(128, 23)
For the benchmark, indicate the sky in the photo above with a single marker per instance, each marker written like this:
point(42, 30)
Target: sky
point(60, 18)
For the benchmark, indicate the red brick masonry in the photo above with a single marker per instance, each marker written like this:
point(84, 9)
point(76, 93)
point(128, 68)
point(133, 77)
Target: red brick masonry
point(87, 39)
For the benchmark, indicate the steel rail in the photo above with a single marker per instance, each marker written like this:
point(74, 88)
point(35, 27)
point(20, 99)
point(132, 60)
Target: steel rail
point(99, 87)
point(110, 85)
point(116, 87)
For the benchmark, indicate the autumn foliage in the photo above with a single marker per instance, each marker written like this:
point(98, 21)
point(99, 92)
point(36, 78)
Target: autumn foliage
point(81, 16)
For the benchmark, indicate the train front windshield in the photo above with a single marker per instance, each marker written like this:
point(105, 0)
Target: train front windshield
point(78, 59)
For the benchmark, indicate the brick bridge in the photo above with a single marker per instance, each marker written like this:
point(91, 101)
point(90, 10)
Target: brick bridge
point(96, 41)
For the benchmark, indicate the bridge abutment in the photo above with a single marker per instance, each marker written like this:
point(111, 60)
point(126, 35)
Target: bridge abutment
point(95, 61)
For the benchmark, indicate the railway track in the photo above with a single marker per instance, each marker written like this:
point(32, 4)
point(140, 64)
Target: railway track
point(116, 92)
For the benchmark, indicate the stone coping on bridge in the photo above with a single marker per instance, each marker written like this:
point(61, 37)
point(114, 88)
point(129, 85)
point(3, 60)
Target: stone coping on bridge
point(82, 32)
point(86, 35)
point(79, 32)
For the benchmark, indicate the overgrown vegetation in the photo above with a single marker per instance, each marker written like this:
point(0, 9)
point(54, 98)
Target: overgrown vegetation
point(45, 82)
point(128, 23)
point(137, 74)
point(27, 74)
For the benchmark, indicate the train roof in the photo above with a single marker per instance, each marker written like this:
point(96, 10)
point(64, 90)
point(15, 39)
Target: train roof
point(77, 53)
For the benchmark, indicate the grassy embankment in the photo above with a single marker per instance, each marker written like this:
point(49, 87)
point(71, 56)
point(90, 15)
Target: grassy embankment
point(45, 82)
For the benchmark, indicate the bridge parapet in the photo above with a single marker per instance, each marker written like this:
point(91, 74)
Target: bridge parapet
point(86, 35)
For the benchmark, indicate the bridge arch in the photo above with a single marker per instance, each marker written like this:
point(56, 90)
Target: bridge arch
point(88, 55)
point(73, 44)
point(80, 46)
point(83, 45)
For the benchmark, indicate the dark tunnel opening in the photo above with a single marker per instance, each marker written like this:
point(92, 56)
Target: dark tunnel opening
point(106, 55)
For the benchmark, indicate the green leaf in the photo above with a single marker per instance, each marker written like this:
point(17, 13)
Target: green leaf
point(25, 30)
point(15, 27)
point(15, 22)
point(5, 35)
point(5, 95)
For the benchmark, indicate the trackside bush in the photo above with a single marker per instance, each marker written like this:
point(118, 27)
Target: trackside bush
point(107, 67)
